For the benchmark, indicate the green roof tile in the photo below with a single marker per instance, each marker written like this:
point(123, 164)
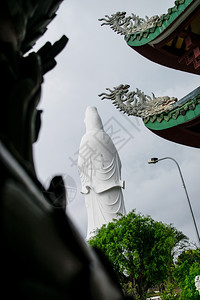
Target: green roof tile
point(143, 37)
point(181, 114)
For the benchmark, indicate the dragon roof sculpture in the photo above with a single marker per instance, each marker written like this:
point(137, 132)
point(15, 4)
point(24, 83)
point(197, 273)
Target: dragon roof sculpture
point(136, 103)
point(125, 25)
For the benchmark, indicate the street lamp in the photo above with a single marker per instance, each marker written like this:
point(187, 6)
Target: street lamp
point(154, 160)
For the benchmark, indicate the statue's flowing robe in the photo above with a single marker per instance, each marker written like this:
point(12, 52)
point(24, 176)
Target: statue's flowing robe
point(100, 172)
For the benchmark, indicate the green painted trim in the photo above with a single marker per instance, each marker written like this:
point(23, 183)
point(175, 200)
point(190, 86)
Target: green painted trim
point(190, 114)
point(174, 113)
point(146, 36)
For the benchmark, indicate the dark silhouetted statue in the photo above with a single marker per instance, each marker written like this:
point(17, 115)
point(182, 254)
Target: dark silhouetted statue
point(42, 254)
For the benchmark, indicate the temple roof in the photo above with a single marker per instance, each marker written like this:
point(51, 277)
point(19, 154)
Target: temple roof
point(142, 37)
point(171, 39)
point(173, 119)
point(184, 110)
point(181, 124)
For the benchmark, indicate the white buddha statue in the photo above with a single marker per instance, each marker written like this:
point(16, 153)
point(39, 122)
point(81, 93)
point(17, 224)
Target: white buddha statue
point(197, 283)
point(99, 167)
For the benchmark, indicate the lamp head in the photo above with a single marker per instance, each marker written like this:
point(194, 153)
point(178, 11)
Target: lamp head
point(153, 160)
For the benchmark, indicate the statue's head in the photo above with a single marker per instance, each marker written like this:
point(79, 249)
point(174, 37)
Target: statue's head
point(92, 119)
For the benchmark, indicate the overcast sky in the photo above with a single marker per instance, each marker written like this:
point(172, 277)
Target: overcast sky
point(95, 58)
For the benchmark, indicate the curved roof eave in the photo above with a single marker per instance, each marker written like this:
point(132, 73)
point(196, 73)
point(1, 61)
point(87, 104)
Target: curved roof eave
point(162, 29)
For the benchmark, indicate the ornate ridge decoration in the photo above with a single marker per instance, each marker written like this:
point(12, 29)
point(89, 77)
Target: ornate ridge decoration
point(136, 103)
point(134, 24)
point(180, 110)
point(125, 25)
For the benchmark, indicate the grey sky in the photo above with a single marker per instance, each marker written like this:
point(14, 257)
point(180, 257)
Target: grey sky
point(95, 58)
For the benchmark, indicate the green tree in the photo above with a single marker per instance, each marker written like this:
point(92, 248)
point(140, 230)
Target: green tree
point(139, 249)
point(188, 289)
point(170, 292)
point(187, 268)
point(184, 262)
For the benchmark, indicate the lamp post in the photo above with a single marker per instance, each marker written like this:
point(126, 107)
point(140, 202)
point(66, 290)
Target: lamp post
point(154, 160)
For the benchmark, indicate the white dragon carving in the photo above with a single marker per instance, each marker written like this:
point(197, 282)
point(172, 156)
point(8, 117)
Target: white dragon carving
point(136, 103)
point(124, 25)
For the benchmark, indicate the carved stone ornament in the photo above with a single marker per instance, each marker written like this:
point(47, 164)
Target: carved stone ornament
point(125, 25)
point(136, 103)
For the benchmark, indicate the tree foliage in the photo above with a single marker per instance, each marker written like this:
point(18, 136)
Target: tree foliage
point(184, 262)
point(139, 249)
point(186, 269)
point(188, 289)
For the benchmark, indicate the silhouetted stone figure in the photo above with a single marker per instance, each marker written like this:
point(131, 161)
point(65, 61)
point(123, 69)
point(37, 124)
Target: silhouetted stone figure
point(42, 254)
point(57, 192)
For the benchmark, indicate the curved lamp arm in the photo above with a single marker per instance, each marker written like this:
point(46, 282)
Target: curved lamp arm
point(154, 160)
